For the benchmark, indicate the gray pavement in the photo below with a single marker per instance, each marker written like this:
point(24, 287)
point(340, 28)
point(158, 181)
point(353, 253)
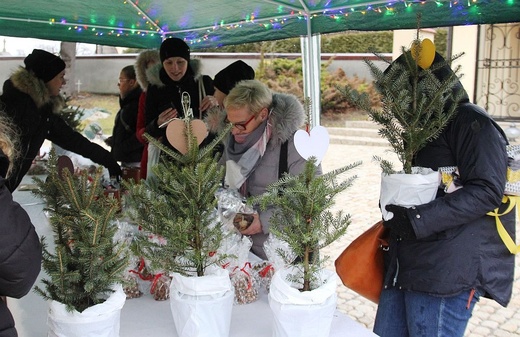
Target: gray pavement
point(361, 202)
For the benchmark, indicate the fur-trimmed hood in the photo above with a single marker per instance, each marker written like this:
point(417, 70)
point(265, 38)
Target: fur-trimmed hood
point(287, 116)
point(28, 83)
point(148, 76)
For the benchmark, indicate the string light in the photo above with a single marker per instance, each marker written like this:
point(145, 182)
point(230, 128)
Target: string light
point(147, 27)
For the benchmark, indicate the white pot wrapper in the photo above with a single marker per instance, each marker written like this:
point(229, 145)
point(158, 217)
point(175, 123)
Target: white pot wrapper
point(100, 320)
point(408, 190)
point(302, 314)
point(202, 306)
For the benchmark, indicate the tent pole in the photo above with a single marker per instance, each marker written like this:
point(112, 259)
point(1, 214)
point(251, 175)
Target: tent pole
point(311, 65)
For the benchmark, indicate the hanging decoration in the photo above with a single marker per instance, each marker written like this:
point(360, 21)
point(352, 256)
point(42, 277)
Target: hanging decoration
point(314, 142)
point(145, 24)
point(176, 129)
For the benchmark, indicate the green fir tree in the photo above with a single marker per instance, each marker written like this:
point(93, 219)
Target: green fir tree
point(178, 206)
point(72, 115)
point(416, 106)
point(302, 217)
point(84, 262)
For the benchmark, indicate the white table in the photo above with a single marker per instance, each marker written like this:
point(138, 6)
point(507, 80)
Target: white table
point(144, 316)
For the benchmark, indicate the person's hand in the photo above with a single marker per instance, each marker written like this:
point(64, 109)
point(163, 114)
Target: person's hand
point(208, 102)
point(109, 141)
point(255, 227)
point(115, 171)
point(400, 225)
point(166, 116)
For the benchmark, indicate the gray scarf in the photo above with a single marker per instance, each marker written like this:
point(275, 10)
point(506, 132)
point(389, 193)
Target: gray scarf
point(242, 158)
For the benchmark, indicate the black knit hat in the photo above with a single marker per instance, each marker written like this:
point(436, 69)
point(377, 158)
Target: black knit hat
point(227, 78)
point(174, 47)
point(44, 64)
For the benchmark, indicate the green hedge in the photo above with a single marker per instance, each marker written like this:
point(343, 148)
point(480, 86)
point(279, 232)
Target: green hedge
point(282, 75)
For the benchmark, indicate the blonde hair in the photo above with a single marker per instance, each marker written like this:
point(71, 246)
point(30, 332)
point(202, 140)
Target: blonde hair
point(8, 141)
point(252, 94)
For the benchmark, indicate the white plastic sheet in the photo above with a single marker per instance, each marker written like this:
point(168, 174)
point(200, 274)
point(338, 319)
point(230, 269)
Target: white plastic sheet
point(100, 320)
point(154, 154)
point(408, 189)
point(314, 309)
point(202, 306)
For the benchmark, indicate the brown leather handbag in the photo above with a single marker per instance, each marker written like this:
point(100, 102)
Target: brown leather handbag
point(360, 266)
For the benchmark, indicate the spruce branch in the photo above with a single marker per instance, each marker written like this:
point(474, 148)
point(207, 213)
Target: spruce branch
point(416, 105)
point(302, 219)
point(179, 206)
point(85, 262)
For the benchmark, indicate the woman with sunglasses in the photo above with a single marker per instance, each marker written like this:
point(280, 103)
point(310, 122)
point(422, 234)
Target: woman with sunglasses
point(260, 148)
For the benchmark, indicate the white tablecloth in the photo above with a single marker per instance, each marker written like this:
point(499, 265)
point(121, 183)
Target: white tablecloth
point(144, 316)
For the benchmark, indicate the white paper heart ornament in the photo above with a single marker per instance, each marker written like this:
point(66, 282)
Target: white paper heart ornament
point(175, 133)
point(314, 144)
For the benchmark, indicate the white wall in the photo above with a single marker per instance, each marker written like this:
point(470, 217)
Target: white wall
point(404, 38)
point(465, 41)
point(99, 73)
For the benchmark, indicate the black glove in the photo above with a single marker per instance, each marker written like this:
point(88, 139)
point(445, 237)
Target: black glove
point(400, 225)
point(115, 171)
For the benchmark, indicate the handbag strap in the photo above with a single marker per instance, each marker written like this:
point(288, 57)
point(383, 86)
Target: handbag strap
point(504, 235)
point(125, 124)
point(282, 163)
point(202, 93)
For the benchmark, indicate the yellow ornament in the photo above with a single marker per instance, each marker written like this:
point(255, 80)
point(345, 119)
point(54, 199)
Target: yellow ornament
point(423, 53)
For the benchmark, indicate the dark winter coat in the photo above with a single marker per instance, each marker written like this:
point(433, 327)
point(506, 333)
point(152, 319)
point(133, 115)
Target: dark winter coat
point(145, 77)
point(458, 247)
point(20, 255)
point(168, 94)
point(125, 145)
point(26, 100)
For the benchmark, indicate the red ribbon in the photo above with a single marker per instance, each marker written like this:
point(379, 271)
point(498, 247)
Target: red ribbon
point(154, 282)
point(265, 270)
point(139, 271)
point(243, 269)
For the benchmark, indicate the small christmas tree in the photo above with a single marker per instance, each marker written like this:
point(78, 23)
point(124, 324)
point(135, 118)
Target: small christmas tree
point(416, 106)
point(302, 217)
point(178, 208)
point(86, 261)
point(301, 214)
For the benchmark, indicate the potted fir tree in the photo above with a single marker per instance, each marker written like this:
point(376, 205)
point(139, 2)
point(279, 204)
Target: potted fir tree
point(84, 265)
point(413, 113)
point(306, 291)
point(178, 209)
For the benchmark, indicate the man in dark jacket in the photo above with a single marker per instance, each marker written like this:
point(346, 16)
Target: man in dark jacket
point(20, 251)
point(126, 148)
point(31, 98)
point(445, 254)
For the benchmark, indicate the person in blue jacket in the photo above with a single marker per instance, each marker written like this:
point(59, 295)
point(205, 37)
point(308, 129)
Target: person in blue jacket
point(446, 254)
point(20, 250)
